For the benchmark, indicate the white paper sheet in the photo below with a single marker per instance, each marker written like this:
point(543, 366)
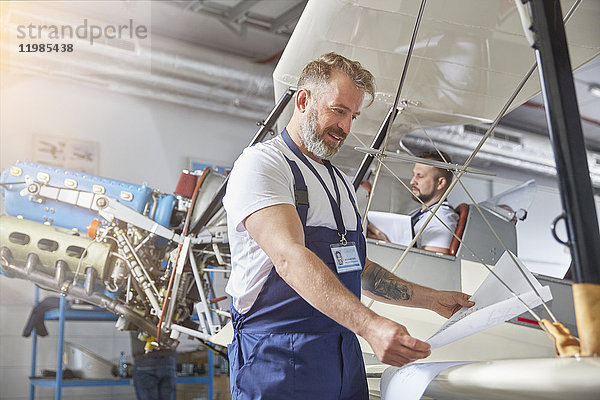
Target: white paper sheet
point(494, 304)
point(409, 382)
point(397, 227)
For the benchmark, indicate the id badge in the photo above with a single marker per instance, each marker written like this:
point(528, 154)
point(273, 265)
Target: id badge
point(345, 257)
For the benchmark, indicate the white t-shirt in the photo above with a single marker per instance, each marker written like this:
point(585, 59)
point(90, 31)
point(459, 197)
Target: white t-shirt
point(261, 177)
point(436, 234)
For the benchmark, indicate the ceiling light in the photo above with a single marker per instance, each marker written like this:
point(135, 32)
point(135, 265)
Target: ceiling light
point(594, 89)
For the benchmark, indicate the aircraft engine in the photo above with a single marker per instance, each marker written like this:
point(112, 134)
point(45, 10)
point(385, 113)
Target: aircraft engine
point(122, 247)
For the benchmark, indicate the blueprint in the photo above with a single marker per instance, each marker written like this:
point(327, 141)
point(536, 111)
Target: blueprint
point(409, 382)
point(494, 303)
point(397, 227)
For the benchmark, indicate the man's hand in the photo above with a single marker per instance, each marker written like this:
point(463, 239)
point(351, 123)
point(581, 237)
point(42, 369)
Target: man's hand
point(447, 303)
point(374, 233)
point(392, 344)
point(381, 285)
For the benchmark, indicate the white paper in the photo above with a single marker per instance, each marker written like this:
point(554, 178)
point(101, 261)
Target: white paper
point(397, 227)
point(494, 304)
point(409, 382)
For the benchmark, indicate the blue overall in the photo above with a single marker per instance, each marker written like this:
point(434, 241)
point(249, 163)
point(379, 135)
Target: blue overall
point(283, 348)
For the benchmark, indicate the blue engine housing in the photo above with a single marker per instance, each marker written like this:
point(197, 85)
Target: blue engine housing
point(139, 198)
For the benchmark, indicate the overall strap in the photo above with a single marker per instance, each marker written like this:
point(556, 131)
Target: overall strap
point(300, 191)
point(418, 214)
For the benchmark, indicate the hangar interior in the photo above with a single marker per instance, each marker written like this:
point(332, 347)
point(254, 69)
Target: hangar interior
point(196, 97)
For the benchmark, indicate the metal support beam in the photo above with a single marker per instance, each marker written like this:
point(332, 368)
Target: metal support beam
point(265, 127)
point(566, 134)
point(386, 126)
point(377, 142)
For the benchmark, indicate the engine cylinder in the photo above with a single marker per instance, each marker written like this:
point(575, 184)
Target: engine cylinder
point(51, 244)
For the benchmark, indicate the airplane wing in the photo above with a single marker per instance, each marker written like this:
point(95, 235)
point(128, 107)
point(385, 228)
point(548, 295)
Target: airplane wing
point(468, 58)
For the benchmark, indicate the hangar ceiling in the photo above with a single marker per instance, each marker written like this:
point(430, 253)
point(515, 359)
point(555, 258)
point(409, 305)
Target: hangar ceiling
point(259, 29)
point(251, 34)
point(256, 29)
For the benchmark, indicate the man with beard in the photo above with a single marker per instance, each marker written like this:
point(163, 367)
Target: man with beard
point(295, 313)
point(428, 185)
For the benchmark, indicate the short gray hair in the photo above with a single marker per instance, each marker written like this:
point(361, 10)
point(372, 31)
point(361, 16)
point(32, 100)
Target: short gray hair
point(317, 74)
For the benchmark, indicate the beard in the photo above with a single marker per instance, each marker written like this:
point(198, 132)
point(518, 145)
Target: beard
point(424, 197)
point(313, 141)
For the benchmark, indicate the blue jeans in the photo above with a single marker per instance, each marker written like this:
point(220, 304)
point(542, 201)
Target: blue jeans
point(154, 378)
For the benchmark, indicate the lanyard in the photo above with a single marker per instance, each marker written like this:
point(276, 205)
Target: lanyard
point(335, 186)
point(330, 169)
point(337, 171)
point(335, 208)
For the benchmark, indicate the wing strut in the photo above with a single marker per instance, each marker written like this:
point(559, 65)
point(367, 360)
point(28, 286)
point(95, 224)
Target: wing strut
point(386, 126)
point(265, 127)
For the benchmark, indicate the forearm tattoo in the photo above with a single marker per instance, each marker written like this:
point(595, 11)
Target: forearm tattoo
point(383, 283)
